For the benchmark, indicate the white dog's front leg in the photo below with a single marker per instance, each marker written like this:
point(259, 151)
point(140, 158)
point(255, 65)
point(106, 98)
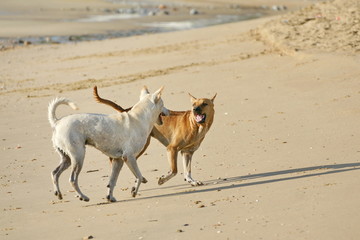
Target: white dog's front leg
point(116, 167)
point(132, 164)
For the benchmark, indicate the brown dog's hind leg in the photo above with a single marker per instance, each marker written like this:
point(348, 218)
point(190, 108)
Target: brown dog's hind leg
point(172, 157)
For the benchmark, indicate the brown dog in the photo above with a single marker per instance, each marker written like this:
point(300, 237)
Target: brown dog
point(181, 131)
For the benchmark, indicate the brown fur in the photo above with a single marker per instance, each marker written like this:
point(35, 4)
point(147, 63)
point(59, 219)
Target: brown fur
point(180, 132)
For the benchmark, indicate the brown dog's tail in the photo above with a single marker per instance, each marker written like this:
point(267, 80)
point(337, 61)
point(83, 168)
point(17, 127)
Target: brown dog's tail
point(108, 102)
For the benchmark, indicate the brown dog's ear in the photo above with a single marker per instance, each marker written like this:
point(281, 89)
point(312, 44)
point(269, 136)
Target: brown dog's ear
point(212, 100)
point(193, 99)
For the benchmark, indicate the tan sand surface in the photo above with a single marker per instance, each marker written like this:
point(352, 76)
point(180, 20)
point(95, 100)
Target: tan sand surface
point(281, 160)
point(326, 26)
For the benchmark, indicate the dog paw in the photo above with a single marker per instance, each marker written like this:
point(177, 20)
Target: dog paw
point(197, 183)
point(133, 192)
point(194, 182)
point(161, 180)
point(84, 198)
point(58, 194)
point(144, 180)
point(110, 198)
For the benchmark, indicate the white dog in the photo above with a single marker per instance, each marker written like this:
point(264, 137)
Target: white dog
point(120, 136)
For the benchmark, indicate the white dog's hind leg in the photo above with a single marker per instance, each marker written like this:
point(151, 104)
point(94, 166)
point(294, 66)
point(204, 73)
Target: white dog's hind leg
point(117, 164)
point(64, 164)
point(132, 164)
point(76, 164)
point(187, 156)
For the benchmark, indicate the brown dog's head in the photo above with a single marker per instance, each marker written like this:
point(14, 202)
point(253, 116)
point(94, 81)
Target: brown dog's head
point(203, 109)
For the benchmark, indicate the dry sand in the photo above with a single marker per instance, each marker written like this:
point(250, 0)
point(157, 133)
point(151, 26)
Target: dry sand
point(280, 162)
point(327, 26)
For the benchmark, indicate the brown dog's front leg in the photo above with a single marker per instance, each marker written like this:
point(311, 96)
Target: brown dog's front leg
point(187, 156)
point(172, 157)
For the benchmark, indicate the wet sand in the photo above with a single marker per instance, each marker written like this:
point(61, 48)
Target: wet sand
point(58, 21)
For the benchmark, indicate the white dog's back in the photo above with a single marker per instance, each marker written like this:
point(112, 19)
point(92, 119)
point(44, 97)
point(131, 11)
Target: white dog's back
point(107, 133)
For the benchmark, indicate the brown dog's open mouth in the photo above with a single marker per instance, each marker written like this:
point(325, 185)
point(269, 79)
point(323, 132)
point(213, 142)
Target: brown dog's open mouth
point(200, 118)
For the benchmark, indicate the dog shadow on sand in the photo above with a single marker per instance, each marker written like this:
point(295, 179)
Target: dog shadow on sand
point(249, 180)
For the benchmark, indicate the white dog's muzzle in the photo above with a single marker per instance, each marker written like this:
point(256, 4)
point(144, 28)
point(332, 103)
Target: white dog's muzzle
point(165, 111)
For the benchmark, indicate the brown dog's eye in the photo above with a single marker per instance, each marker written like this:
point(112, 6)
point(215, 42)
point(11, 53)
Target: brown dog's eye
point(204, 104)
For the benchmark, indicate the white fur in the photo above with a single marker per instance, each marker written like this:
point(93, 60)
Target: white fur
point(120, 136)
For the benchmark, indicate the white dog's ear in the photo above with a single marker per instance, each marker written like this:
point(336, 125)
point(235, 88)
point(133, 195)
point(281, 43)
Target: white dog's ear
point(144, 92)
point(212, 100)
point(192, 98)
point(157, 95)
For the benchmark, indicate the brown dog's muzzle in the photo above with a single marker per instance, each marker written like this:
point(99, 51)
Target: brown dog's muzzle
point(199, 117)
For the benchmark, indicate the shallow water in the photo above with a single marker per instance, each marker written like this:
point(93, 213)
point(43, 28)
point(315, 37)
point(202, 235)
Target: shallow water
point(144, 18)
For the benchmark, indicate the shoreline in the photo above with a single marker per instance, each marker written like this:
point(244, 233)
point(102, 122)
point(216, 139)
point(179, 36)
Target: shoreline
point(120, 19)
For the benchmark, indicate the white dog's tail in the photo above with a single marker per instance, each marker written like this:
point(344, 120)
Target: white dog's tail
point(52, 108)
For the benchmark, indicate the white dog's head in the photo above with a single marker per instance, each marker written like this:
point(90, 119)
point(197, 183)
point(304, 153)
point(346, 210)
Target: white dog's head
point(155, 98)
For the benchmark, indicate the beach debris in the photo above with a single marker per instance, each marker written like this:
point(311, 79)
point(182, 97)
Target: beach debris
point(165, 12)
point(24, 42)
point(218, 224)
point(88, 237)
point(279, 8)
point(162, 6)
point(179, 230)
point(199, 204)
point(74, 38)
point(193, 11)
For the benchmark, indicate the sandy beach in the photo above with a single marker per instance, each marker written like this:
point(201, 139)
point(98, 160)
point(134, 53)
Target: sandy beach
point(281, 160)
